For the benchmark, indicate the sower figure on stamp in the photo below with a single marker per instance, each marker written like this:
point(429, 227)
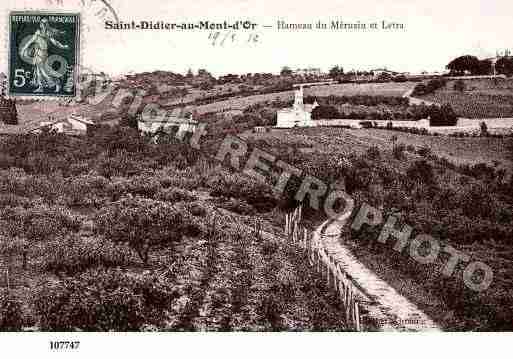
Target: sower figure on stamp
point(36, 49)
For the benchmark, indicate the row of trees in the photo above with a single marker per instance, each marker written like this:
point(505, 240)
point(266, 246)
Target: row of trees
point(468, 64)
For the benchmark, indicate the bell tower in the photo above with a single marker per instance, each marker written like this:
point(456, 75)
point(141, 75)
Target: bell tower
point(298, 98)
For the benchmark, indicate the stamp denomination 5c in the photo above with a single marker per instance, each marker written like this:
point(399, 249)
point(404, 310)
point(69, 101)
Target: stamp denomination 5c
point(43, 54)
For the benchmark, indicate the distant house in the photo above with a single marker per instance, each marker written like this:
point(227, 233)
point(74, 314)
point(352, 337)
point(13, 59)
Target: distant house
point(73, 125)
point(311, 71)
point(300, 115)
point(180, 123)
point(383, 72)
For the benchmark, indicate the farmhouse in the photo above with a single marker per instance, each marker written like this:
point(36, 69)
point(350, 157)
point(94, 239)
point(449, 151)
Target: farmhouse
point(311, 71)
point(163, 123)
point(74, 124)
point(300, 115)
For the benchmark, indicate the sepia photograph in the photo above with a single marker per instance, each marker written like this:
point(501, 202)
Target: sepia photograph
point(328, 174)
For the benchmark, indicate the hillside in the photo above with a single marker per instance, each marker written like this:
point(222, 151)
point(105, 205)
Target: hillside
point(479, 98)
point(460, 202)
point(107, 232)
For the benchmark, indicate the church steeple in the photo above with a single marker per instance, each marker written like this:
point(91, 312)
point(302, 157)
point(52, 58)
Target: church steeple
point(298, 99)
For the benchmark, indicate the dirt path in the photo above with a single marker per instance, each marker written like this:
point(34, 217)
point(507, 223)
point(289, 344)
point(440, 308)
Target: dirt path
point(385, 308)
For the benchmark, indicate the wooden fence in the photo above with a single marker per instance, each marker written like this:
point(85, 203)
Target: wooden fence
point(321, 261)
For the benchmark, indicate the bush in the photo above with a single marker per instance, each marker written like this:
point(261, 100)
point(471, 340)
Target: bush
point(459, 86)
point(430, 87)
point(366, 124)
point(104, 300)
point(442, 116)
point(175, 195)
point(237, 206)
point(325, 112)
point(11, 318)
point(38, 223)
point(85, 190)
point(238, 186)
point(72, 255)
point(421, 171)
point(484, 129)
point(374, 153)
point(398, 151)
point(424, 152)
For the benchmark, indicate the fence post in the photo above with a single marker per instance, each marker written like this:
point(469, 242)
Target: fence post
point(357, 316)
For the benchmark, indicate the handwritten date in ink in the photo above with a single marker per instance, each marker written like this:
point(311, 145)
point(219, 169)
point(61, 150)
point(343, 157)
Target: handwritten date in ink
point(220, 38)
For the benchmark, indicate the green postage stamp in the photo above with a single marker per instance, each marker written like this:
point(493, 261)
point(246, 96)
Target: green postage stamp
point(43, 53)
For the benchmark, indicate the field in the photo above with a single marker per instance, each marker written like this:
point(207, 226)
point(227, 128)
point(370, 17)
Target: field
point(469, 151)
point(107, 232)
point(371, 89)
point(480, 98)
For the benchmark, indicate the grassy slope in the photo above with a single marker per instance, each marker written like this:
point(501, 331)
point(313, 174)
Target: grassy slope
point(421, 284)
point(481, 98)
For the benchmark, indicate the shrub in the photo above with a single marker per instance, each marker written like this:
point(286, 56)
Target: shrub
point(398, 151)
point(103, 300)
point(366, 124)
point(196, 209)
point(237, 206)
point(325, 112)
point(237, 186)
point(11, 318)
point(421, 171)
point(38, 223)
point(175, 195)
point(73, 254)
point(374, 153)
point(442, 116)
point(459, 86)
point(484, 129)
point(424, 151)
point(85, 190)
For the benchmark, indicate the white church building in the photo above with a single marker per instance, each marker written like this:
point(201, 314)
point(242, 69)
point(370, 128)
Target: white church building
point(300, 115)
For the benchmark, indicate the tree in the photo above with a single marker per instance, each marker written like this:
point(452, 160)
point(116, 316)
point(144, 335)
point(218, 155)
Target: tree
point(144, 224)
point(336, 71)
point(484, 129)
point(504, 66)
point(464, 64)
point(442, 116)
point(285, 71)
point(485, 67)
point(421, 171)
point(325, 112)
point(459, 86)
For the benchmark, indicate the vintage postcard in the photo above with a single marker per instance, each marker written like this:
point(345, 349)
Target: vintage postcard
point(337, 167)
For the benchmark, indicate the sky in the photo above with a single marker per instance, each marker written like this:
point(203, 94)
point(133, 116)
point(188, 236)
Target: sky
point(435, 32)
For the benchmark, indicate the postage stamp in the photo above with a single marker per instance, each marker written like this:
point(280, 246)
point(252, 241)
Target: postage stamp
point(43, 53)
